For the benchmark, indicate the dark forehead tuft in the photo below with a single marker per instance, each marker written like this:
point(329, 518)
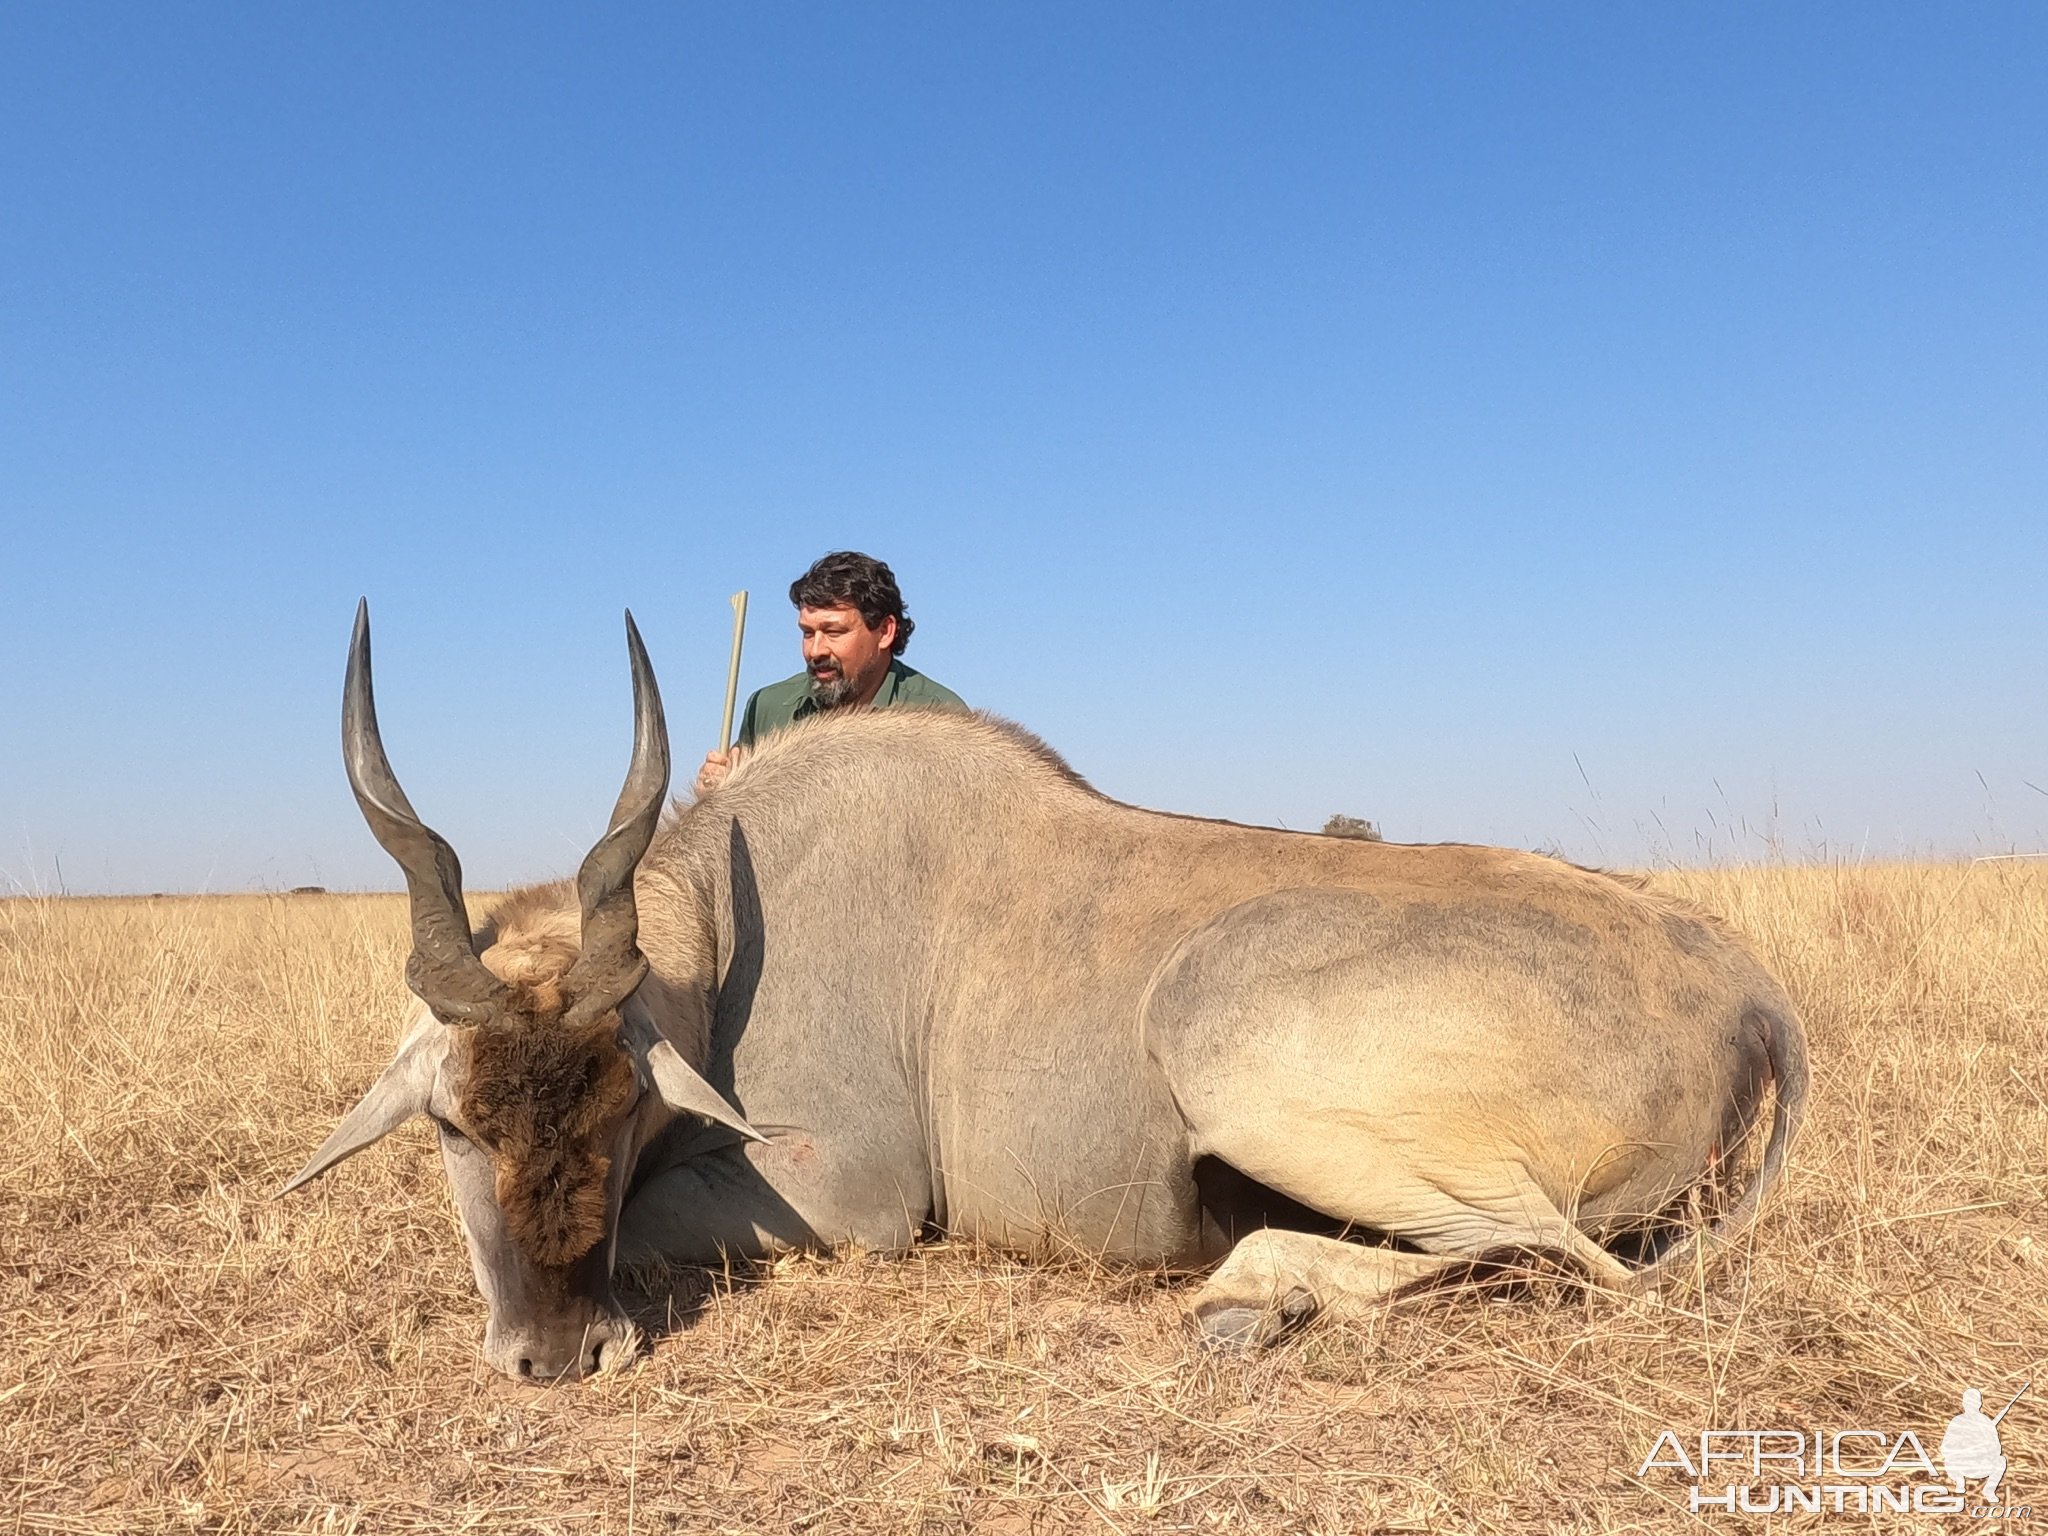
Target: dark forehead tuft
point(543, 1099)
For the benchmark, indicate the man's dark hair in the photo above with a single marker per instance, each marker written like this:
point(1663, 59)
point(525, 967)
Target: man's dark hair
point(848, 579)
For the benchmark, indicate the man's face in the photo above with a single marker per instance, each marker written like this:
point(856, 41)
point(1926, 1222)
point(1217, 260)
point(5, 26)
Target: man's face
point(845, 658)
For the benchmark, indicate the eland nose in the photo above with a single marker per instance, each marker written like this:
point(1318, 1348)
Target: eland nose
point(564, 1353)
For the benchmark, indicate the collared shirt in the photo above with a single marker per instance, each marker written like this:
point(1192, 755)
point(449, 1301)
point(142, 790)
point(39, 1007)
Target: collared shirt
point(775, 706)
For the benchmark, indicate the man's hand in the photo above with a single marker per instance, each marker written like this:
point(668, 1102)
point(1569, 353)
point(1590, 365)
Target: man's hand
point(716, 766)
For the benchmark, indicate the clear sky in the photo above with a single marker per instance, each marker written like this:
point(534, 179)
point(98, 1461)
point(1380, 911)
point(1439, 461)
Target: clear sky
point(1615, 428)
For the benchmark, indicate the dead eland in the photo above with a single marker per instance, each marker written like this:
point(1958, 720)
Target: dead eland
point(907, 970)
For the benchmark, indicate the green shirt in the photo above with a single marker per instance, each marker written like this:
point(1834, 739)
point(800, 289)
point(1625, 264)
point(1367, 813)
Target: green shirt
point(775, 706)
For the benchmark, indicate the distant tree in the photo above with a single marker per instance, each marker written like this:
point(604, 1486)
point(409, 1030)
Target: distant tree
point(1353, 826)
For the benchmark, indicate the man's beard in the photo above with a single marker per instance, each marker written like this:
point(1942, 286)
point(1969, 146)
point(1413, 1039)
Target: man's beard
point(832, 689)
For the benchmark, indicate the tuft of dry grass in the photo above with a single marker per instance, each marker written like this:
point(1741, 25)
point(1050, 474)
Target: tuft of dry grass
point(181, 1351)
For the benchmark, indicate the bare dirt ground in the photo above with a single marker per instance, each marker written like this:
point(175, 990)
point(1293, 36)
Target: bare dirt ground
point(181, 1351)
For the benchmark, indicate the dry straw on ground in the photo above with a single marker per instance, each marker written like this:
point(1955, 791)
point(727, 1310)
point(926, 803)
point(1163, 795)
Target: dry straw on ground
point(179, 1351)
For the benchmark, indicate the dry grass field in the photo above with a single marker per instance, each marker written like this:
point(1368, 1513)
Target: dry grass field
point(181, 1351)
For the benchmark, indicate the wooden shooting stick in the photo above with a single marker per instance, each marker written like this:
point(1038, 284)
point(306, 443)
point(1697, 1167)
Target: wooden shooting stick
point(732, 672)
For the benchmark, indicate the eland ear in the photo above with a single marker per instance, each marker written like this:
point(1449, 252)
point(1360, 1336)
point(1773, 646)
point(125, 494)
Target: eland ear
point(403, 1091)
point(687, 1093)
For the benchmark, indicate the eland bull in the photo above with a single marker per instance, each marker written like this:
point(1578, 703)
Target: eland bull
point(906, 970)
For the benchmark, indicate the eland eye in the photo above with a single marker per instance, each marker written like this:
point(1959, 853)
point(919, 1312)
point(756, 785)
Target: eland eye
point(449, 1130)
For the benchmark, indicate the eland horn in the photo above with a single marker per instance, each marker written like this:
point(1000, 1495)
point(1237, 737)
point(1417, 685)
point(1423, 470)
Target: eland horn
point(443, 968)
point(610, 965)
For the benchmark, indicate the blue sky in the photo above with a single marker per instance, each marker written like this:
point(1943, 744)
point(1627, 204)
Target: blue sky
point(1621, 429)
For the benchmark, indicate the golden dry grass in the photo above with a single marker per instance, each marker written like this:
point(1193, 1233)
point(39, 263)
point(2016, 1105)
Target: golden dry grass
point(179, 1351)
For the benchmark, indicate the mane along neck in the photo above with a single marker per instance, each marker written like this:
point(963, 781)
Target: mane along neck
point(972, 745)
point(878, 784)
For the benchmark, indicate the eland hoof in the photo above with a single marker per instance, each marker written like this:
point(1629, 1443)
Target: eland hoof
point(1230, 1330)
point(1238, 1330)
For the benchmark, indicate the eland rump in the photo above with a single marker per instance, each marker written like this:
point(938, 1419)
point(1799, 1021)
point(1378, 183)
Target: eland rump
point(905, 969)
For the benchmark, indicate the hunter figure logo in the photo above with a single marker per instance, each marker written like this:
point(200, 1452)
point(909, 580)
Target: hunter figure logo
point(1859, 1471)
point(1970, 1449)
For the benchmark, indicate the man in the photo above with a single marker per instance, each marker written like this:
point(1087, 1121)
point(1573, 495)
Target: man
point(854, 629)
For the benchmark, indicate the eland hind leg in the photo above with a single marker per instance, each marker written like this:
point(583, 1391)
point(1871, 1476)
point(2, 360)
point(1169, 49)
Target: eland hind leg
point(1431, 1080)
point(1276, 1278)
point(1456, 1196)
